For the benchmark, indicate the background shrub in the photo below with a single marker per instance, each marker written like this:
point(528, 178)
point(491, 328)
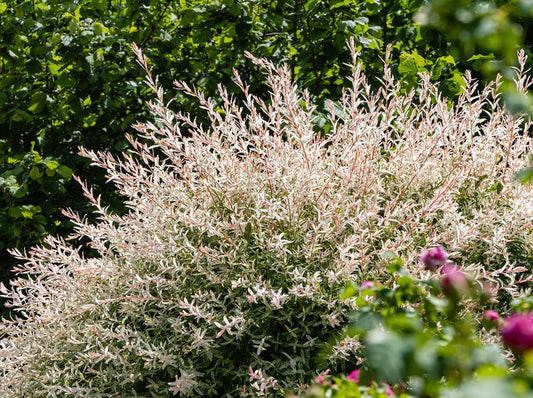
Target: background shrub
point(224, 276)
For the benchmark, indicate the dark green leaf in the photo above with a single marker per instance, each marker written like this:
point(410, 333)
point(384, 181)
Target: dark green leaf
point(37, 103)
point(64, 172)
point(20, 192)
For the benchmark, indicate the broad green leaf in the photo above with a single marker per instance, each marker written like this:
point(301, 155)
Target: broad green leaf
point(188, 17)
point(54, 68)
point(440, 64)
point(28, 211)
point(385, 353)
point(66, 80)
point(426, 357)
point(493, 388)
point(15, 211)
point(310, 4)
point(338, 3)
point(458, 78)
point(65, 172)
point(517, 103)
point(35, 173)
point(37, 103)
point(17, 170)
point(411, 64)
point(40, 219)
point(51, 164)
point(364, 321)
point(351, 24)
point(20, 192)
point(20, 115)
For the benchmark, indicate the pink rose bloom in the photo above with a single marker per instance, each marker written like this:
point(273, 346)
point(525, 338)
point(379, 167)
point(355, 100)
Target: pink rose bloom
point(354, 376)
point(491, 316)
point(454, 280)
point(434, 258)
point(517, 332)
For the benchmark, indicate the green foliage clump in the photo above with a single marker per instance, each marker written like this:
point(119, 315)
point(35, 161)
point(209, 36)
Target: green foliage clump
point(224, 277)
point(487, 34)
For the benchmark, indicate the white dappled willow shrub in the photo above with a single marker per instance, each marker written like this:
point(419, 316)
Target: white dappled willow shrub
point(224, 277)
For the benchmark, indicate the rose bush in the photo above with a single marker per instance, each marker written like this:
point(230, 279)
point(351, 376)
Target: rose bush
point(427, 341)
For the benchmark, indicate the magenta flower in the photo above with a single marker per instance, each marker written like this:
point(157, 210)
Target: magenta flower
point(434, 258)
point(454, 280)
point(517, 332)
point(354, 376)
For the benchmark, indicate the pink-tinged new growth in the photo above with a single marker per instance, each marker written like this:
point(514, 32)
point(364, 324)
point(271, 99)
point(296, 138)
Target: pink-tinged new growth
point(454, 280)
point(243, 229)
point(517, 332)
point(354, 376)
point(434, 258)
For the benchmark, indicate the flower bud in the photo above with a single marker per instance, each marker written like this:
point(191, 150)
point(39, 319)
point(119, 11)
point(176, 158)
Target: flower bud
point(454, 281)
point(434, 258)
point(517, 332)
point(490, 319)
